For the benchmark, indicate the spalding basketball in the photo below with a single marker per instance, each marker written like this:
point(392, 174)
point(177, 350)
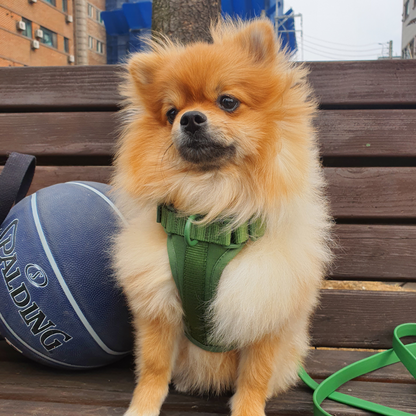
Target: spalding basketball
point(59, 303)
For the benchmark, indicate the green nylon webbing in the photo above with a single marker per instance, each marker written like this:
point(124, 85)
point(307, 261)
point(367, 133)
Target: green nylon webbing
point(400, 352)
point(215, 232)
point(197, 269)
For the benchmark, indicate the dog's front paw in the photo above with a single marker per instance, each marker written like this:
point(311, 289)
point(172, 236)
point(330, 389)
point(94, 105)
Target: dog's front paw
point(248, 412)
point(246, 406)
point(132, 411)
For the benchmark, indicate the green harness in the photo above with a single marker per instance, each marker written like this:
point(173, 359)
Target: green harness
point(197, 257)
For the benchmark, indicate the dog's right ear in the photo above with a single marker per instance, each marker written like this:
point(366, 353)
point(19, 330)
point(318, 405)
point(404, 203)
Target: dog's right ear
point(142, 68)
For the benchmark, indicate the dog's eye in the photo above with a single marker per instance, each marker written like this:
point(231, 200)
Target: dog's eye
point(171, 114)
point(228, 103)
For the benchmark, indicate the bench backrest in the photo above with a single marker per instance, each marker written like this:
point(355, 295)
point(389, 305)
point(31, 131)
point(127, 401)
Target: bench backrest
point(367, 127)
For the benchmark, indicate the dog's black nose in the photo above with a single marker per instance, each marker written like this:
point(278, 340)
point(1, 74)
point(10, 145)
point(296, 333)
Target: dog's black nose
point(192, 121)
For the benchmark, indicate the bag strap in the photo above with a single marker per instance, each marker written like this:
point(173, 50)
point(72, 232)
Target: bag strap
point(400, 352)
point(15, 180)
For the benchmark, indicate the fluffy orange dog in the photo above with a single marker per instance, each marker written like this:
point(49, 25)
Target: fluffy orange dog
point(221, 130)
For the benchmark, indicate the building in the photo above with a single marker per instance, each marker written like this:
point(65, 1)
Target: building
point(90, 34)
point(409, 29)
point(52, 32)
point(36, 33)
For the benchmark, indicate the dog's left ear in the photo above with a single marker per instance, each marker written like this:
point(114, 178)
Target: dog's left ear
point(258, 39)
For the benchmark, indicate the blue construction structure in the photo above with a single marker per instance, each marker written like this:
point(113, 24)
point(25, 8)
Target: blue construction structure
point(127, 22)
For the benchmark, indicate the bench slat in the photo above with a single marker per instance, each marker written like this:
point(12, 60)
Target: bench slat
point(364, 83)
point(297, 401)
point(367, 133)
point(78, 87)
point(51, 175)
point(372, 192)
point(35, 408)
point(351, 133)
point(375, 252)
point(354, 192)
point(59, 134)
point(319, 364)
point(360, 319)
point(373, 83)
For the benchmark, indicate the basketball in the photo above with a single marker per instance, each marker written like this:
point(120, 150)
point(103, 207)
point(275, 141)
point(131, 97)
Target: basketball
point(59, 303)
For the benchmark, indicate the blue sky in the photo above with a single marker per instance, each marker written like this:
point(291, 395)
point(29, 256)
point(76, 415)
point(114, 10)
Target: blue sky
point(348, 29)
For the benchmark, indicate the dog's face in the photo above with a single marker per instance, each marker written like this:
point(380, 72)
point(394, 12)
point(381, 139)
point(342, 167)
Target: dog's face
point(214, 113)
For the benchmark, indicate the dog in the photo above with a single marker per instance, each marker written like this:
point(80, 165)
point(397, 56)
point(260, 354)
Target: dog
point(221, 130)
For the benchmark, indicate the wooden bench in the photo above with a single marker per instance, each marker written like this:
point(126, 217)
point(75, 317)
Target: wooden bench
point(367, 127)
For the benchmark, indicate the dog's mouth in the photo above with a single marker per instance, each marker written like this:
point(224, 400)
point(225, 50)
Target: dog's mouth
point(200, 149)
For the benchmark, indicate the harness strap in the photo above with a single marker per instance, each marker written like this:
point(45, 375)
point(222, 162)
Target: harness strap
point(215, 232)
point(197, 257)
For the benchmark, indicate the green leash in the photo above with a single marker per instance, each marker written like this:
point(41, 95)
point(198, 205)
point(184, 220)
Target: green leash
point(197, 257)
point(400, 352)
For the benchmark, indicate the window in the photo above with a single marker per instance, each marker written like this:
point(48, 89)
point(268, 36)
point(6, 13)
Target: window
point(28, 31)
point(90, 42)
point(89, 10)
point(100, 47)
point(49, 37)
point(65, 6)
point(412, 48)
point(66, 45)
point(97, 15)
point(53, 2)
point(406, 9)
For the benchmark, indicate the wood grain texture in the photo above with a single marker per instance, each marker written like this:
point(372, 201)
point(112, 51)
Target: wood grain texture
point(367, 133)
point(298, 401)
point(364, 83)
point(51, 175)
point(40, 399)
point(38, 408)
point(319, 364)
point(59, 134)
point(77, 87)
point(375, 252)
point(372, 192)
point(341, 133)
point(353, 192)
point(28, 388)
point(361, 83)
point(360, 319)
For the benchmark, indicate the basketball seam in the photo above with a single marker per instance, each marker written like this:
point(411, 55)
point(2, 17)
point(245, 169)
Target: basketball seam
point(104, 197)
point(63, 284)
